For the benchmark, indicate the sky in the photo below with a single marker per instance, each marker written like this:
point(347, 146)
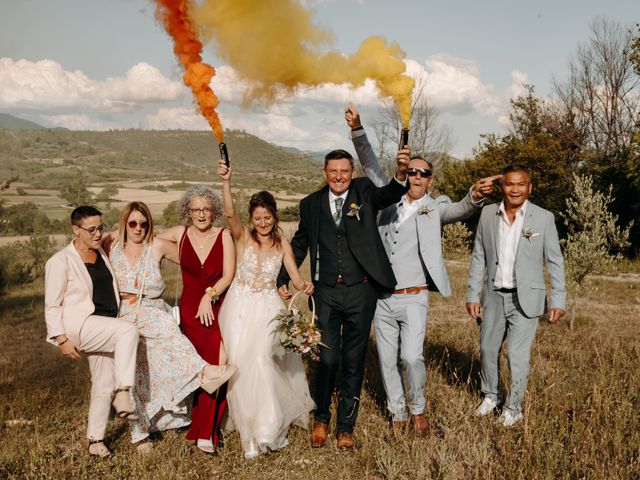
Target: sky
point(99, 65)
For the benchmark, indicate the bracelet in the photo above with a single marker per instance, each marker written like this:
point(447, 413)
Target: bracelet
point(63, 342)
point(213, 294)
point(357, 128)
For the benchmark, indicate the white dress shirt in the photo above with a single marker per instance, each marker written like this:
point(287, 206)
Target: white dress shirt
point(508, 236)
point(406, 208)
point(332, 201)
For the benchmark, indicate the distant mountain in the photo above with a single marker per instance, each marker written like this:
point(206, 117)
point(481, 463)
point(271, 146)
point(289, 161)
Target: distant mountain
point(309, 153)
point(9, 121)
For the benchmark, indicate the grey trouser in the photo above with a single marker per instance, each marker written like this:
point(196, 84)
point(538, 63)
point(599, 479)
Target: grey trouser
point(500, 316)
point(400, 324)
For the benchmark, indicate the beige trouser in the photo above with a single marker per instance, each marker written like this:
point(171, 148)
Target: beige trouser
point(111, 346)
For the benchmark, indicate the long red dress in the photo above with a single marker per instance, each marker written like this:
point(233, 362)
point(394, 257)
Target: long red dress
point(196, 277)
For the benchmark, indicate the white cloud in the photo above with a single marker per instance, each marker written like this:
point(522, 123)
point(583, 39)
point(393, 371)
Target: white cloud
point(517, 87)
point(175, 119)
point(45, 84)
point(78, 122)
point(454, 84)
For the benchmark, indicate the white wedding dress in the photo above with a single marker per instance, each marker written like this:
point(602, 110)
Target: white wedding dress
point(268, 394)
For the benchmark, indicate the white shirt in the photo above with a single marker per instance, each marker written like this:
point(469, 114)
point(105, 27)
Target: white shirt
point(508, 236)
point(332, 201)
point(406, 208)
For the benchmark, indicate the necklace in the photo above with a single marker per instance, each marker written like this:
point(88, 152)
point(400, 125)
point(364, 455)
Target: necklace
point(200, 240)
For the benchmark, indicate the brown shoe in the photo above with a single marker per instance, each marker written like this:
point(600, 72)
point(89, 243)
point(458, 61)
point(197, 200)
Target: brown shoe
point(397, 428)
point(345, 441)
point(420, 425)
point(319, 434)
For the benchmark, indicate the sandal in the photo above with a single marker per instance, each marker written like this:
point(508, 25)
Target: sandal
point(97, 448)
point(123, 404)
point(205, 445)
point(212, 377)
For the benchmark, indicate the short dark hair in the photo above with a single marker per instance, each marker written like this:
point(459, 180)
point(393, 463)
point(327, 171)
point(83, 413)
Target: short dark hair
point(82, 212)
point(337, 155)
point(516, 167)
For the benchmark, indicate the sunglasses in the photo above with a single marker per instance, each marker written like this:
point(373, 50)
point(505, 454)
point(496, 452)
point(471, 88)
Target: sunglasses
point(93, 230)
point(424, 172)
point(143, 224)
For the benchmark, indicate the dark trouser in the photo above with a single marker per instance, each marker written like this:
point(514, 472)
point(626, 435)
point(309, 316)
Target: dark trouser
point(344, 317)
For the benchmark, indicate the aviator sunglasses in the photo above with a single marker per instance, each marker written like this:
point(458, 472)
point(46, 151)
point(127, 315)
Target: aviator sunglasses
point(143, 224)
point(424, 172)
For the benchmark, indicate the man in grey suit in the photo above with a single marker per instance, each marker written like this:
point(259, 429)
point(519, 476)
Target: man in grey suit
point(410, 231)
point(506, 280)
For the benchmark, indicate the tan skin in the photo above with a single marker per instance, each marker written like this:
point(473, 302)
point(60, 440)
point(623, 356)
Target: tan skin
point(262, 222)
point(516, 188)
point(88, 239)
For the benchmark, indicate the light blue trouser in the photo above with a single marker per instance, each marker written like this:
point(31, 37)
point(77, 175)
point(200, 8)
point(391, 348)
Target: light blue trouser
point(400, 324)
point(500, 316)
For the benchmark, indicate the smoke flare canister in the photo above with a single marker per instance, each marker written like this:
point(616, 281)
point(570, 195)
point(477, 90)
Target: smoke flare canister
point(404, 138)
point(224, 154)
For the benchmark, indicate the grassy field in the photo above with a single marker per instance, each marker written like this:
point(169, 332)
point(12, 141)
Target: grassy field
point(581, 418)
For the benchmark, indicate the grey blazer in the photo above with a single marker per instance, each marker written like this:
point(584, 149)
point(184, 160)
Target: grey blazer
point(531, 255)
point(428, 227)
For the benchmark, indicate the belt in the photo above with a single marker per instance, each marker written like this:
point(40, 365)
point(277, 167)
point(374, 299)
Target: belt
point(340, 280)
point(129, 296)
point(410, 290)
point(506, 290)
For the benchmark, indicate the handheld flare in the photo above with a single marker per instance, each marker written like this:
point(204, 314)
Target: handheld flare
point(224, 154)
point(404, 137)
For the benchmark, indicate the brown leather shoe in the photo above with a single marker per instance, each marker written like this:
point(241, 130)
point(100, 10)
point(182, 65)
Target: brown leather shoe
point(319, 434)
point(345, 441)
point(420, 425)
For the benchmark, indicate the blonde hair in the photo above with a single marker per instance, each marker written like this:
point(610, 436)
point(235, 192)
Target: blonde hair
point(124, 216)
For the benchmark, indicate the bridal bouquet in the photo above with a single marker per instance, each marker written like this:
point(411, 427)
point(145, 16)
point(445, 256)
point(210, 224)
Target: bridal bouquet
point(296, 332)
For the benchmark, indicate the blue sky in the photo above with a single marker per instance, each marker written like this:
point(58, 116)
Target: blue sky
point(88, 64)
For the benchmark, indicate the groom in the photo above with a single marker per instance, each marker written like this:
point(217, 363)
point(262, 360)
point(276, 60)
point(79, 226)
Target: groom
point(349, 268)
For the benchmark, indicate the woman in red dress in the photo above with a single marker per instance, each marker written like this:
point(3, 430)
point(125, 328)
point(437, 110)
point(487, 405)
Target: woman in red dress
point(207, 261)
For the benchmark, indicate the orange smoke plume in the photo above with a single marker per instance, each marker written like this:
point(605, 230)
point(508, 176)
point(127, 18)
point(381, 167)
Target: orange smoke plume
point(174, 15)
point(275, 45)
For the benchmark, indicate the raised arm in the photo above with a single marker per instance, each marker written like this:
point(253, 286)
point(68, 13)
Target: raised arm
point(235, 224)
point(370, 164)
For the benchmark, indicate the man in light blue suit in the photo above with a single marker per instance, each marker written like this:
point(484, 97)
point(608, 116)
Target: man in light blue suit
point(410, 232)
point(506, 279)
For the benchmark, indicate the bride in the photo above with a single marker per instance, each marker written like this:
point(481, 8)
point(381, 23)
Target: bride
point(268, 394)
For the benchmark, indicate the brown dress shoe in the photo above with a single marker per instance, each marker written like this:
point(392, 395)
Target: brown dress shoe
point(420, 425)
point(345, 441)
point(319, 434)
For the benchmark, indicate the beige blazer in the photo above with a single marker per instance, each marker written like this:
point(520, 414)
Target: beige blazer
point(68, 293)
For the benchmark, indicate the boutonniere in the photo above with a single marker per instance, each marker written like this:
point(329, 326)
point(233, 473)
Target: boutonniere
point(424, 210)
point(528, 233)
point(354, 211)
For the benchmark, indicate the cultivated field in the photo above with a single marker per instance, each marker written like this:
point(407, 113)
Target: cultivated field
point(581, 418)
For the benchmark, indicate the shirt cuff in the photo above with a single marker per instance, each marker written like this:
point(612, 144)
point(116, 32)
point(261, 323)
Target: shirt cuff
point(477, 203)
point(404, 184)
point(357, 132)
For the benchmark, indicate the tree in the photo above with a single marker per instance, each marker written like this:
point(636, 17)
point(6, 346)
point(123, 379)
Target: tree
point(108, 193)
point(594, 240)
point(74, 190)
point(427, 138)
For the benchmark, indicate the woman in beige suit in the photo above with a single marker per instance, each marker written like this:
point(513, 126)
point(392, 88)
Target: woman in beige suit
point(81, 306)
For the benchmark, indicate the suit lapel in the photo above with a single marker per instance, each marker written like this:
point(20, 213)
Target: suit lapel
point(107, 262)
point(75, 258)
point(528, 223)
point(496, 230)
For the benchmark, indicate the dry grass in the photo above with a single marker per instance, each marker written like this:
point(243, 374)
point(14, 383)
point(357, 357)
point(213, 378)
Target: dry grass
point(581, 412)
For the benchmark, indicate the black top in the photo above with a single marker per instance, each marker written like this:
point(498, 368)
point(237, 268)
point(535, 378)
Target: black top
point(104, 298)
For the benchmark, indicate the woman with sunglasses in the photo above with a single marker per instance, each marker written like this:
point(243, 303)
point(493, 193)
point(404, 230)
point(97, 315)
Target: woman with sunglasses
point(207, 261)
point(169, 369)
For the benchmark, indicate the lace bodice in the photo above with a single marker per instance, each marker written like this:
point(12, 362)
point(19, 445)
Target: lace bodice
point(255, 276)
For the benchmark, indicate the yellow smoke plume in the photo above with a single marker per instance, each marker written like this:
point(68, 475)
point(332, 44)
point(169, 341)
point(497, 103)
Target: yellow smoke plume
point(276, 47)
